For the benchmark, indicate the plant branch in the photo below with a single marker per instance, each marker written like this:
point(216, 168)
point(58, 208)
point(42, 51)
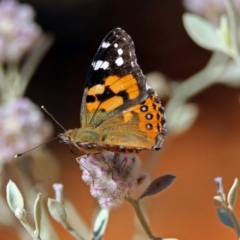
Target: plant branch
point(198, 82)
point(142, 219)
point(71, 230)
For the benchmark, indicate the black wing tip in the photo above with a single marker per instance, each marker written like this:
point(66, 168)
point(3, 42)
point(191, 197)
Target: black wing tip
point(118, 30)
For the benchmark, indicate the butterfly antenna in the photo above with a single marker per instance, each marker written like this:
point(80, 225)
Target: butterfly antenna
point(46, 111)
point(19, 155)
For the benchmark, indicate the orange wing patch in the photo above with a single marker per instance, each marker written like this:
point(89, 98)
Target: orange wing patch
point(97, 89)
point(117, 85)
point(111, 103)
point(92, 106)
point(127, 83)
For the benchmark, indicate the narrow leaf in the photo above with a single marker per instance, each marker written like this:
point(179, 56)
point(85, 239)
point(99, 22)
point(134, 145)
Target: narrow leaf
point(224, 218)
point(37, 214)
point(14, 196)
point(158, 185)
point(57, 210)
point(100, 224)
point(232, 194)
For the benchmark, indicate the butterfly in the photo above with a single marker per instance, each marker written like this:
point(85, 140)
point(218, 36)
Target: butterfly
point(119, 111)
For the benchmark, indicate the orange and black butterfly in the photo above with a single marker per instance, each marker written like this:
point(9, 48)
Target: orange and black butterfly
point(119, 111)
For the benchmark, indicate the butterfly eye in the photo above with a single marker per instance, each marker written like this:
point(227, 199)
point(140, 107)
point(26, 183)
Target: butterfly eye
point(68, 139)
point(64, 137)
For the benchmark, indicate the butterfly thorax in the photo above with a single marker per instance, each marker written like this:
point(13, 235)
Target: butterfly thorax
point(84, 139)
point(79, 135)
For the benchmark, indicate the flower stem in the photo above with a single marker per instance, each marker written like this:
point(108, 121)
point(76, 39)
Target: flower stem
point(142, 219)
point(71, 230)
point(29, 229)
point(196, 83)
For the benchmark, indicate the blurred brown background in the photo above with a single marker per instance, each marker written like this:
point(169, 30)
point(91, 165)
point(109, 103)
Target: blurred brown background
point(209, 149)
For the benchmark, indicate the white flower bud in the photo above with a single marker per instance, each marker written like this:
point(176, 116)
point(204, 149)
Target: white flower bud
point(20, 213)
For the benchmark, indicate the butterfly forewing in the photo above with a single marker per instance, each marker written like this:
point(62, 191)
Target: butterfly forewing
point(115, 80)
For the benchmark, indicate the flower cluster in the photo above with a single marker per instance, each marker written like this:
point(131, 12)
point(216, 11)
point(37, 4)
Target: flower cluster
point(22, 127)
point(113, 176)
point(18, 31)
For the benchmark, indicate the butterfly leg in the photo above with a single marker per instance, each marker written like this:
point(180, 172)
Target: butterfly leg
point(106, 162)
point(78, 161)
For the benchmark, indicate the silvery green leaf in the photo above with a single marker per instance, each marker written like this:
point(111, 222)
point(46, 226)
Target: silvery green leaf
point(37, 214)
point(14, 196)
point(158, 185)
point(232, 194)
point(100, 224)
point(231, 75)
point(223, 31)
point(224, 218)
point(205, 34)
point(183, 118)
point(57, 210)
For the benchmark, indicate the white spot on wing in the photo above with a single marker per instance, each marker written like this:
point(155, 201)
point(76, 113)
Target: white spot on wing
point(105, 65)
point(147, 86)
point(105, 44)
point(98, 64)
point(93, 64)
point(120, 51)
point(119, 61)
point(115, 45)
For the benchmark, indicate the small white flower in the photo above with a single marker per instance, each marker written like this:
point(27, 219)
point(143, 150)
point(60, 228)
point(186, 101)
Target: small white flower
point(218, 181)
point(58, 188)
point(22, 127)
point(18, 31)
point(112, 176)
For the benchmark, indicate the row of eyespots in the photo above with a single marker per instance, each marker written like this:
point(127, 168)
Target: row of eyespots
point(149, 116)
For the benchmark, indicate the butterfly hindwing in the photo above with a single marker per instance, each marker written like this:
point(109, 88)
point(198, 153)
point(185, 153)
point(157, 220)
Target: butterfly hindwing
point(141, 126)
